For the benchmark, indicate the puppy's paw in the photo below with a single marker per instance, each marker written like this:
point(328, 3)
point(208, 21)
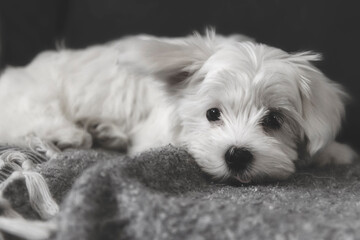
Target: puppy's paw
point(337, 154)
point(107, 135)
point(54, 141)
point(72, 138)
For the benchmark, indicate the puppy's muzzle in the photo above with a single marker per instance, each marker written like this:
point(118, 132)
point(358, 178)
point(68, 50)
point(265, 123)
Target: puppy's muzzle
point(238, 159)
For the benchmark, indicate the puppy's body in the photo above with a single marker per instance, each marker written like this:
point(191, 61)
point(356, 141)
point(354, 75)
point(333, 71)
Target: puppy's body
point(142, 92)
point(60, 93)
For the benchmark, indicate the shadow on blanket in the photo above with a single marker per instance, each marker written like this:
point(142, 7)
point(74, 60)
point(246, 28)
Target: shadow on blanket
point(162, 194)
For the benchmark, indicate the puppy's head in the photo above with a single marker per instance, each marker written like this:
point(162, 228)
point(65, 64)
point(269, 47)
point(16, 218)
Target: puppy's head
point(246, 110)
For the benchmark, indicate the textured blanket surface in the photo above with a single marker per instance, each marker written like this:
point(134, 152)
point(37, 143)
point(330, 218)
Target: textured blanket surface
point(162, 194)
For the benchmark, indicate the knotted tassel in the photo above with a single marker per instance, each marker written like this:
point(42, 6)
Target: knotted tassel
point(39, 195)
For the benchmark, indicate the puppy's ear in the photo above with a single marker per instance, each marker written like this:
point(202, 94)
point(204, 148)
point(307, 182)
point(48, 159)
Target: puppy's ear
point(322, 102)
point(173, 61)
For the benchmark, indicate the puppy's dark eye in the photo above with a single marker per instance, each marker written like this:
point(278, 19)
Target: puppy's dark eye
point(213, 114)
point(273, 120)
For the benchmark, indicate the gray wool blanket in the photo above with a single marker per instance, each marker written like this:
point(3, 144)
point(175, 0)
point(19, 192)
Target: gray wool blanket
point(162, 194)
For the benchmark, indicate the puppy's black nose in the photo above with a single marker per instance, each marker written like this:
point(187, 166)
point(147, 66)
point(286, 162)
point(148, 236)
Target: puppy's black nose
point(238, 159)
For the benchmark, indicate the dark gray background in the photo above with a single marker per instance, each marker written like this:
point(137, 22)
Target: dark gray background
point(329, 27)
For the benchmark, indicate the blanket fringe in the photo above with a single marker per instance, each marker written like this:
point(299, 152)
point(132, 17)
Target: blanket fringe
point(33, 230)
point(7, 211)
point(17, 163)
point(13, 223)
point(40, 196)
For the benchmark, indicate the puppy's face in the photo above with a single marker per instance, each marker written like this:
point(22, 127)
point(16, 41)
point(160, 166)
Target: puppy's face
point(245, 110)
point(242, 119)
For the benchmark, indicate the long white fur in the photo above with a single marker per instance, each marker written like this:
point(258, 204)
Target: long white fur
point(142, 92)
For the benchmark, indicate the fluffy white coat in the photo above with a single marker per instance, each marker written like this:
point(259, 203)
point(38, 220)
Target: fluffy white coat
point(142, 92)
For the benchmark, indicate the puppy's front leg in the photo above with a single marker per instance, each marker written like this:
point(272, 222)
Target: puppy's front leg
point(58, 138)
point(335, 153)
point(106, 134)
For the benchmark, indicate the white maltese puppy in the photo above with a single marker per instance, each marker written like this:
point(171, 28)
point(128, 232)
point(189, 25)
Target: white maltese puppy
point(244, 110)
